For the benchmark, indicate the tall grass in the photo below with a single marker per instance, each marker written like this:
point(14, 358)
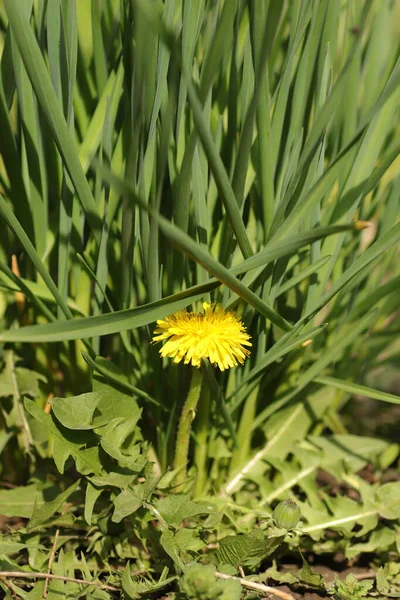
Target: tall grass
point(156, 155)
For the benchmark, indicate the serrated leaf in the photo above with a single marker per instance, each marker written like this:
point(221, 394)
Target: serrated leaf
point(353, 449)
point(188, 540)
point(128, 585)
point(381, 539)
point(280, 576)
point(133, 589)
point(120, 480)
point(388, 580)
point(311, 579)
point(112, 438)
point(343, 513)
point(37, 592)
point(114, 403)
point(352, 588)
point(73, 442)
point(44, 511)
point(248, 549)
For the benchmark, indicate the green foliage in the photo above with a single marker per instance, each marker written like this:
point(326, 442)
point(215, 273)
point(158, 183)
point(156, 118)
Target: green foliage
point(247, 550)
point(156, 155)
point(350, 588)
point(388, 580)
point(199, 583)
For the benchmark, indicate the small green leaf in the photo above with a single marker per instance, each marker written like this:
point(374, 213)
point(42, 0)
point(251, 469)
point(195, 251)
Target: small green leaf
point(8, 546)
point(167, 541)
point(308, 577)
point(134, 589)
point(127, 503)
point(92, 494)
point(351, 588)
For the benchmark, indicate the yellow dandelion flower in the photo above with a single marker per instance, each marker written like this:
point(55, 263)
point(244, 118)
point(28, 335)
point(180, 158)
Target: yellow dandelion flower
point(215, 334)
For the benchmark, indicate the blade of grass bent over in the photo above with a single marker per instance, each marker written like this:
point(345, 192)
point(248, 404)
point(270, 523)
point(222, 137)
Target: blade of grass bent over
point(76, 329)
point(190, 247)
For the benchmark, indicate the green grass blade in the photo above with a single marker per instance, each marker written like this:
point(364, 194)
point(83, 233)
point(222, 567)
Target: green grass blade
point(33, 255)
point(219, 172)
point(355, 388)
point(303, 274)
point(46, 95)
point(377, 249)
point(286, 344)
point(186, 244)
point(108, 323)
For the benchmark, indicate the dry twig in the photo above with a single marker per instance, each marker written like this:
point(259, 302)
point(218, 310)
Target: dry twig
point(51, 559)
point(259, 587)
point(22, 575)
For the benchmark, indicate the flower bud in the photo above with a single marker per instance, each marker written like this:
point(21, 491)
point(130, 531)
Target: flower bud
point(287, 514)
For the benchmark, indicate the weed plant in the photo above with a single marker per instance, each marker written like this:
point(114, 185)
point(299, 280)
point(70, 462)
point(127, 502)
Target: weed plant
point(156, 156)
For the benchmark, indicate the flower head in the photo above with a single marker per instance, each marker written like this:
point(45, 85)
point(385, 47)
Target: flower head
point(215, 334)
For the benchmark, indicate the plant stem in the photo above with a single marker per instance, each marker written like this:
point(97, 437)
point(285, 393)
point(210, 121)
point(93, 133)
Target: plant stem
point(259, 587)
point(202, 432)
point(185, 426)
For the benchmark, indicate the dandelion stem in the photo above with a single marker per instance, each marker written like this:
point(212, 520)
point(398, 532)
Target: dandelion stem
point(185, 426)
point(202, 433)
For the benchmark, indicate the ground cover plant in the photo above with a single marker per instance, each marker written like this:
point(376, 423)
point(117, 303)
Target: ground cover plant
point(199, 301)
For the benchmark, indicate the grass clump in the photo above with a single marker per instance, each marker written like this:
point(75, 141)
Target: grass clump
point(161, 157)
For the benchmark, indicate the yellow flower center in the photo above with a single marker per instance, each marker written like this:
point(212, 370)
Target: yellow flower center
point(215, 334)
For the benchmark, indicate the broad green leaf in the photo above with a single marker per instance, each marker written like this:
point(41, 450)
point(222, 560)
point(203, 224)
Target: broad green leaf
point(76, 412)
point(380, 540)
point(112, 440)
point(386, 502)
point(248, 549)
point(19, 501)
point(175, 508)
